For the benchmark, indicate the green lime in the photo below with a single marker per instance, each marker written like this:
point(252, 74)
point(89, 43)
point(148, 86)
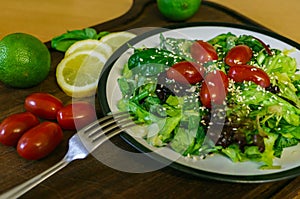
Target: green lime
point(24, 60)
point(178, 10)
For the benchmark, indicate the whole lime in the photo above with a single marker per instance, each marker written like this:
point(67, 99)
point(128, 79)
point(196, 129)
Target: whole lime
point(178, 10)
point(24, 60)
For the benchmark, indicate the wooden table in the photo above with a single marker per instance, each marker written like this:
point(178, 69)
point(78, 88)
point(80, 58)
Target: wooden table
point(90, 178)
point(279, 17)
point(46, 19)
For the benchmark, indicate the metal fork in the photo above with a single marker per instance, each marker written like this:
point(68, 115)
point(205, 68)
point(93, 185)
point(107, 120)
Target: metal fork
point(81, 145)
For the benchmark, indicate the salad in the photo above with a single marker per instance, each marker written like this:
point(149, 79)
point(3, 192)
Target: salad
point(231, 95)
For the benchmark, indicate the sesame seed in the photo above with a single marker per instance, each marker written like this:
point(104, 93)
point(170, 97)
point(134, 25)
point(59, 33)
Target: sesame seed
point(211, 84)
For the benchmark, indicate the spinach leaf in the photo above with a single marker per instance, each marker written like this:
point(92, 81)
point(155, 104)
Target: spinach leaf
point(149, 56)
point(283, 142)
point(250, 41)
point(64, 41)
point(225, 41)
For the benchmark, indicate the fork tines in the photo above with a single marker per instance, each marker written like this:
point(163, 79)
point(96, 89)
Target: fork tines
point(108, 126)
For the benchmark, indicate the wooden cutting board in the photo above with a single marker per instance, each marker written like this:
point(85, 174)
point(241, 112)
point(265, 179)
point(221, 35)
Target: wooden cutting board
point(46, 19)
point(90, 178)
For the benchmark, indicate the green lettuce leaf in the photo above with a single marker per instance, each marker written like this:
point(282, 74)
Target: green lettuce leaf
point(281, 63)
point(271, 106)
point(188, 141)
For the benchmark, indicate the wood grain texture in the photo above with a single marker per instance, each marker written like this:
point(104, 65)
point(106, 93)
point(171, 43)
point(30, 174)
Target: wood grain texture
point(280, 17)
point(47, 19)
point(90, 178)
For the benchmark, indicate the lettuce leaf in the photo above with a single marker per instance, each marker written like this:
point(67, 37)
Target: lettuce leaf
point(281, 63)
point(283, 68)
point(253, 153)
point(269, 105)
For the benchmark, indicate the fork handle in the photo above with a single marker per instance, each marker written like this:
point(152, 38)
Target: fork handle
point(19, 190)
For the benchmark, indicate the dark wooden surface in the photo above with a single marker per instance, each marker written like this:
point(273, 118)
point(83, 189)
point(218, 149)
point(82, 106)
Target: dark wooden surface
point(90, 178)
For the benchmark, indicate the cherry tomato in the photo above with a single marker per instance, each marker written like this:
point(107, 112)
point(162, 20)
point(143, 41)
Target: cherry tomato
point(203, 51)
point(77, 115)
point(186, 72)
point(40, 141)
point(14, 126)
point(240, 54)
point(214, 88)
point(43, 105)
point(240, 73)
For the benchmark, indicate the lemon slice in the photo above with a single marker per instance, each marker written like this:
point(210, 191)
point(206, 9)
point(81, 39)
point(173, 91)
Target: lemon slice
point(117, 39)
point(90, 44)
point(78, 73)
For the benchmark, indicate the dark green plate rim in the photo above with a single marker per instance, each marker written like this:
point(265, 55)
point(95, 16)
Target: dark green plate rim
point(196, 172)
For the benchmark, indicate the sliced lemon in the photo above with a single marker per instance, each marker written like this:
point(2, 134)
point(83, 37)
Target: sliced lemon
point(78, 73)
point(90, 44)
point(117, 39)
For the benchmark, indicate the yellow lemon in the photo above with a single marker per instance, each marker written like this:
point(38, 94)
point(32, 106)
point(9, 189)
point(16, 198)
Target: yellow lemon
point(90, 44)
point(117, 39)
point(78, 73)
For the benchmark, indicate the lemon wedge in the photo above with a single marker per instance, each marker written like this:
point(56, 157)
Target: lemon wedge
point(117, 39)
point(78, 73)
point(90, 44)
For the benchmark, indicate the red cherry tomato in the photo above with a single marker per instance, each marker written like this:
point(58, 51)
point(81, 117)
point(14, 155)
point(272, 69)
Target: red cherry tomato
point(214, 88)
point(39, 141)
point(43, 105)
point(77, 115)
point(240, 73)
point(203, 51)
point(240, 54)
point(186, 72)
point(14, 126)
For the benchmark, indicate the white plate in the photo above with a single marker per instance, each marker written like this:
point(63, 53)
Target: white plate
point(217, 166)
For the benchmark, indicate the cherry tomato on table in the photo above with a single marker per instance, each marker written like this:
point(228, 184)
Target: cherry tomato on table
point(240, 73)
point(240, 54)
point(39, 141)
point(186, 72)
point(43, 105)
point(203, 51)
point(76, 115)
point(14, 126)
point(214, 88)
